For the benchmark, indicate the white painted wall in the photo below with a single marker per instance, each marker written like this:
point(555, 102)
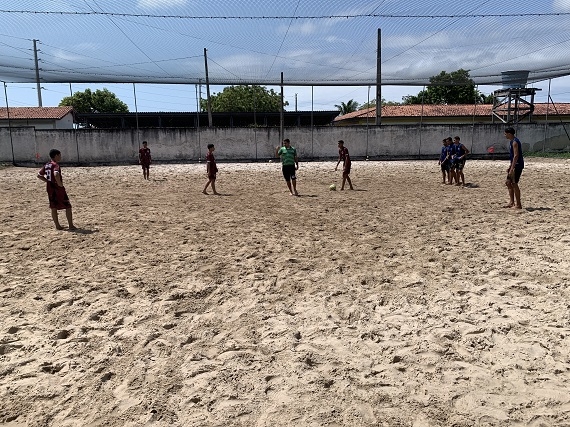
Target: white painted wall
point(236, 144)
point(64, 123)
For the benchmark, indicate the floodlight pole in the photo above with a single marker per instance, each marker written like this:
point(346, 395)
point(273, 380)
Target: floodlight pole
point(379, 80)
point(208, 88)
point(37, 74)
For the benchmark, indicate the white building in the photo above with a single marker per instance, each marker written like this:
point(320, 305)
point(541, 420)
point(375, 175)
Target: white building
point(37, 117)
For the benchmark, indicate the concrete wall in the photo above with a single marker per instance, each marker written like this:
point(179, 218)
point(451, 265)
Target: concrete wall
point(242, 144)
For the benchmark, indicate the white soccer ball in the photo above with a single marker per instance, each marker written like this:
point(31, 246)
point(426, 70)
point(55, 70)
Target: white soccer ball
point(332, 187)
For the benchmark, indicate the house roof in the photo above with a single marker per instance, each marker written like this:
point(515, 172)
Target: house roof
point(447, 110)
point(34, 113)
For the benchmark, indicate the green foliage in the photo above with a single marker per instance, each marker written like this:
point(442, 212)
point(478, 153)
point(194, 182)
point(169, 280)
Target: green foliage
point(244, 98)
point(449, 88)
point(372, 104)
point(100, 101)
point(350, 107)
point(548, 154)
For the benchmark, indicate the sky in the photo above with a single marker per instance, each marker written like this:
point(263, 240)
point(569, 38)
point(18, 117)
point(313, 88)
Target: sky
point(113, 43)
point(155, 97)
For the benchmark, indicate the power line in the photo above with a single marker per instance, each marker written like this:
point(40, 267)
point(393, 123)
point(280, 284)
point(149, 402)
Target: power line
point(286, 17)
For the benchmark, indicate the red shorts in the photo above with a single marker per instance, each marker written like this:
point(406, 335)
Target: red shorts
point(145, 165)
point(58, 198)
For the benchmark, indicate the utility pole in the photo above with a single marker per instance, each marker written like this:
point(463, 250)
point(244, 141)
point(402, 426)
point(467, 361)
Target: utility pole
point(37, 74)
point(208, 89)
point(379, 80)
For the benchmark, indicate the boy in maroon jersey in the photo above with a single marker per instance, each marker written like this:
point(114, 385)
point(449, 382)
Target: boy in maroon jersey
point(211, 169)
point(144, 159)
point(58, 200)
point(345, 158)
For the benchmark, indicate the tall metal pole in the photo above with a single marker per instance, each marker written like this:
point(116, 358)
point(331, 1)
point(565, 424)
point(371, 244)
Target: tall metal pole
point(255, 120)
point(282, 114)
point(37, 74)
point(546, 121)
point(137, 116)
point(367, 121)
point(208, 88)
point(198, 99)
point(312, 128)
point(421, 122)
point(379, 80)
point(75, 126)
point(9, 124)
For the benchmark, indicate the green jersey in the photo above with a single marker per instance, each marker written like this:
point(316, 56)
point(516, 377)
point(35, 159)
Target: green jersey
point(287, 155)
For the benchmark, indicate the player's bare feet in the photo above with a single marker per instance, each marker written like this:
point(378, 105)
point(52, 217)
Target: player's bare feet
point(510, 205)
point(205, 192)
point(58, 227)
point(72, 227)
point(217, 194)
point(517, 207)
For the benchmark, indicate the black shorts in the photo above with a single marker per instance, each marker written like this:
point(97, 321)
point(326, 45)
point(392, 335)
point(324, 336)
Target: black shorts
point(518, 173)
point(445, 166)
point(459, 165)
point(289, 172)
point(346, 169)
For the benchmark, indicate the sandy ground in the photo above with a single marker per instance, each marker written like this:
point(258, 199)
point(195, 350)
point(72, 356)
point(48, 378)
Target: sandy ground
point(404, 303)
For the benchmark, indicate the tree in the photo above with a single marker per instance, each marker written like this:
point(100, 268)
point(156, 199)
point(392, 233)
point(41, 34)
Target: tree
point(244, 98)
point(350, 107)
point(100, 101)
point(456, 87)
point(372, 104)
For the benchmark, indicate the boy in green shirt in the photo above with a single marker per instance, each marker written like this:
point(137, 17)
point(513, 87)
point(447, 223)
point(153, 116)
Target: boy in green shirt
point(290, 163)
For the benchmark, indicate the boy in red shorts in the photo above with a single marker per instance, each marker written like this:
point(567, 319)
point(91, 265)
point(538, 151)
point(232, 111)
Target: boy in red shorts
point(344, 157)
point(58, 200)
point(144, 159)
point(211, 170)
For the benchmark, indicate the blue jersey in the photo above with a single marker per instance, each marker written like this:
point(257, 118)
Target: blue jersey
point(520, 160)
point(443, 154)
point(459, 150)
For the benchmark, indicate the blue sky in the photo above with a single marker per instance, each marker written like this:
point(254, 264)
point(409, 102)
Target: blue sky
point(115, 42)
point(153, 97)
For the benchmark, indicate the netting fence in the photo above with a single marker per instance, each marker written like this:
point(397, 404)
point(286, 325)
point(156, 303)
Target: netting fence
point(253, 41)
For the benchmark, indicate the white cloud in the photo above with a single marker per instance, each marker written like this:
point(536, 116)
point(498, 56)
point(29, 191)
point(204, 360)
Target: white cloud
point(561, 5)
point(160, 4)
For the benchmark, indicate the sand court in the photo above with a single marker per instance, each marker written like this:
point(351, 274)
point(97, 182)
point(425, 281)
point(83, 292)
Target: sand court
point(403, 303)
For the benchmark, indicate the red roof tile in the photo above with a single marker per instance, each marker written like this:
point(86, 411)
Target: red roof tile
point(447, 110)
point(32, 113)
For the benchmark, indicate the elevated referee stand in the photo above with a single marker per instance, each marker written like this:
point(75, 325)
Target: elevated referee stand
point(511, 104)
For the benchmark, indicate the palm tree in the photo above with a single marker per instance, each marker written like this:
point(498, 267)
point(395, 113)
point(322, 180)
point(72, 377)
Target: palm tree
point(349, 107)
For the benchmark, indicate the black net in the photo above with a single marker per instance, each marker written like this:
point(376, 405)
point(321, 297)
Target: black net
point(311, 42)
